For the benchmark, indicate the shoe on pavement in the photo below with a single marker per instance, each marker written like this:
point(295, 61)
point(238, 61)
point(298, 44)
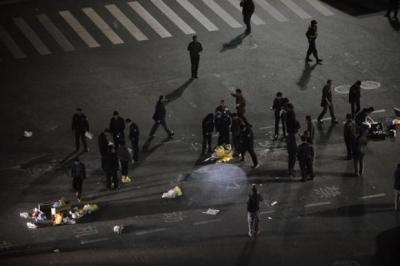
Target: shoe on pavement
point(256, 166)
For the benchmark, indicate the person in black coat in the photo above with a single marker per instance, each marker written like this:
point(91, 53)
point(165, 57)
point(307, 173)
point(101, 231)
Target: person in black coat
point(359, 149)
point(222, 125)
point(363, 117)
point(312, 35)
point(247, 11)
point(293, 127)
point(326, 102)
point(117, 127)
point(310, 130)
point(277, 107)
point(112, 167)
point(194, 49)
point(134, 138)
point(159, 117)
point(104, 140)
point(207, 130)
point(247, 144)
point(354, 97)
point(78, 173)
point(236, 132)
point(80, 124)
point(305, 155)
point(349, 134)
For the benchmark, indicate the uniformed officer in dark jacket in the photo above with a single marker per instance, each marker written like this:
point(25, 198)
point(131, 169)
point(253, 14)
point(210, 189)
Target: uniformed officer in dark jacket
point(222, 126)
point(359, 149)
point(134, 138)
point(159, 117)
point(236, 132)
point(247, 11)
point(354, 97)
point(104, 140)
point(247, 144)
point(194, 49)
point(207, 130)
point(80, 124)
point(277, 108)
point(293, 127)
point(112, 167)
point(117, 127)
point(349, 134)
point(326, 102)
point(78, 173)
point(305, 155)
point(312, 34)
point(393, 7)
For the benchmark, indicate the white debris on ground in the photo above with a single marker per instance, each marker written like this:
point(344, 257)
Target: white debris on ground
point(172, 193)
point(211, 212)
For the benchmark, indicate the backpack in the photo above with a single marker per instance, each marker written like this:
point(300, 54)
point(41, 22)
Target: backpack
point(253, 203)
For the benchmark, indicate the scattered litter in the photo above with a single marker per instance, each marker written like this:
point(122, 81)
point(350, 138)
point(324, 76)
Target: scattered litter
point(31, 225)
point(274, 203)
point(89, 135)
point(211, 211)
point(222, 154)
point(24, 215)
point(28, 134)
point(126, 179)
point(172, 193)
point(269, 218)
point(118, 229)
point(56, 250)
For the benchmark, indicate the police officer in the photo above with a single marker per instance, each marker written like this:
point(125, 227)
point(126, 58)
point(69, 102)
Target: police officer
point(354, 97)
point(222, 125)
point(194, 49)
point(312, 36)
point(247, 144)
point(349, 134)
point(326, 102)
point(207, 130)
point(159, 117)
point(247, 11)
point(293, 127)
point(277, 108)
point(305, 155)
point(117, 127)
point(78, 173)
point(80, 124)
point(393, 7)
point(134, 138)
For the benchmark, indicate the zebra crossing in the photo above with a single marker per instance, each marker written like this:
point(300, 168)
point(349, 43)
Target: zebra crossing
point(137, 18)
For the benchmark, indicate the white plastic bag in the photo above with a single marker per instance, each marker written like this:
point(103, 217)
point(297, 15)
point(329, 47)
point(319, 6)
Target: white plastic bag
point(211, 211)
point(89, 135)
point(24, 215)
point(31, 225)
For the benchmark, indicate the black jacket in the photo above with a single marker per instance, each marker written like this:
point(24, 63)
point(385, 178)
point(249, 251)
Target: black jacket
point(361, 117)
point(253, 202)
point(305, 152)
point(80, 123)
point(277, 105)
point(194, 48)
point(160, 112)
point(133, 131)
point(78, 171)
point(111, 162)
point(103, 144)
point(312, 33)
point(354, 94)
point(326, 96)
point(292, 125)
point(247, 6)
point(349, 131)
point(247, 138)
point(397, 178)
point(222, 121)
point(117, 125)
point(208, 124)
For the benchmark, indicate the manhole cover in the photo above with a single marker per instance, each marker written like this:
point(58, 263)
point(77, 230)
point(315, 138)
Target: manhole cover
point(370, 85)
point(346, 263)
point(342, 89)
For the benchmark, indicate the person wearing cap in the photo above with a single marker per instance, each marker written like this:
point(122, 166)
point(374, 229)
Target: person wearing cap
point(326, 103)
point(159, 117)
point(397, 187)
point(354, 97)
point(312, 34)
point(78, 173)
point(253, 206)
point(117, 127)
point(194, 49)
point(247, 11)
point(80, 124)
point(134, 138)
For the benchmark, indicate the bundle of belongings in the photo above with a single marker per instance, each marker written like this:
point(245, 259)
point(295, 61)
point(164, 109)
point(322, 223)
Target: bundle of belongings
point(376, 130)
point(222, 154)
point(56, 213)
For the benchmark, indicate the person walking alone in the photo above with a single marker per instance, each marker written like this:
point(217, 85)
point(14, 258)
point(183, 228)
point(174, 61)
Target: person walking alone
point(80, 124)
point(159, 117)
point(78, 173)
point(311, 35)
point(354, 97)
point(247, 11)
point(194, 48)
point(253, 206)
point(326, 102)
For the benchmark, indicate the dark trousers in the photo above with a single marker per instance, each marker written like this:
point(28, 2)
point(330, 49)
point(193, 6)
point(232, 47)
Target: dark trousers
point(312, 49)
point(112, 177)
point(157, 124)
point(292, 151)
point(80, 136)
point(236, 143)
point(135, 149)
point(103, 163)
point(253, 155)
point(278, 119)
point(223, 137)
point(358, 164)
point(247, 20)
point(207, 138)
point(306, 167)
point(349, 148)
point(355, 108)
point(331, 111)
point(252, 221)
point(124, 167)
point(77, 185)
point(194, 60)
point(119, 137)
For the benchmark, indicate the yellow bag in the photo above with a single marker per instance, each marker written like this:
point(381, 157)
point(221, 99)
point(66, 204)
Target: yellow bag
point(58, 218)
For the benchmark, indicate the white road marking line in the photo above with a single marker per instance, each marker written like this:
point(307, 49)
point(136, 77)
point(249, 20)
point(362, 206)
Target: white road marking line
point(379, 111)
point(254, 19)
point(79, 29)
point(146, 16)
point(197, 15)
point(296, 9)
point(222, 13)
point(140, 233)
point(373, 196)
point(272, 10)
point(266, 212)
point(102, 25)
point(31, 36)
point(320, 7)
point(125, 21)
point(182, 25)
point(55, 33)
point(207, 222)
point(317, 204)
point(83, 242)
point(9, 42)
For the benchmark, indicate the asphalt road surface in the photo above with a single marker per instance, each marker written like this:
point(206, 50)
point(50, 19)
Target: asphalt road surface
point(121, 55)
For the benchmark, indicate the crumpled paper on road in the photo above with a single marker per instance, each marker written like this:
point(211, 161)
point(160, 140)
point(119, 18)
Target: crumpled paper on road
point(211, 211)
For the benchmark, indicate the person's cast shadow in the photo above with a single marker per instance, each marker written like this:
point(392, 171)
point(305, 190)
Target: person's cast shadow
point(234, 43)
point(305, 76)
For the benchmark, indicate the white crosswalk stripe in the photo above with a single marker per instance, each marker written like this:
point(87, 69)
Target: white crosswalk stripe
point(146, 16)
point(79, 29)
point(197, 15)
point(296, 9)
point(9, 42)
point(102, 25)
point(320, 7)
point(173, 17)
point(32, 36)
point(125, 21)
point(271, 10)
point(222, 13)
point(254, 19)
point(55, 33)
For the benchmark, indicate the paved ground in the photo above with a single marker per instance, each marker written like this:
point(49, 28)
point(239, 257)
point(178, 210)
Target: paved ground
point(334, 220)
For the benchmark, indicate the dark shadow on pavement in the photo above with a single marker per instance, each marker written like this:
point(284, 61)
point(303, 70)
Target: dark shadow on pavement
point(325, 173)
point(354, 210)
point(234, 43)
point(305, 76)
point(247, 251)
point(387, 248)
point(172, 96)
point(68, 157)
point(324, 135)
point(358, 7)
point(394, 23)
point(278, 176)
